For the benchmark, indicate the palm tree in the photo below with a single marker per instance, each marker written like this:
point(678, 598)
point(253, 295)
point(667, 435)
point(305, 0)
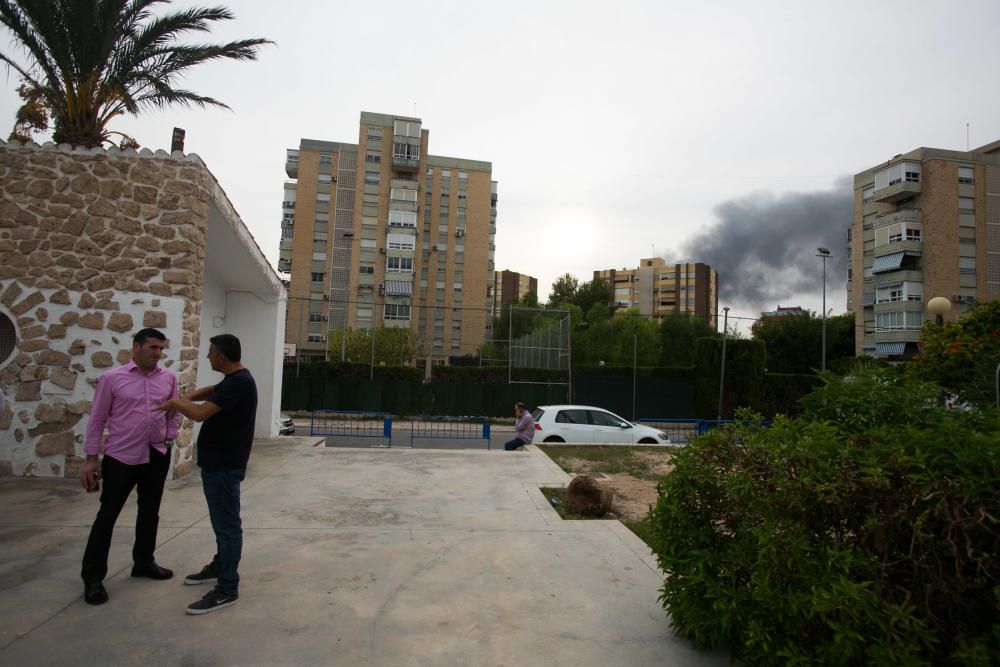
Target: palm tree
point(93, 60)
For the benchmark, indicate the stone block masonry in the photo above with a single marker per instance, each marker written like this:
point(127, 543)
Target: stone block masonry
point(94, 245)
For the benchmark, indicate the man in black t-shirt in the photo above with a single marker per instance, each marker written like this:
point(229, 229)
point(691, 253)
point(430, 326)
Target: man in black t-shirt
point(228, 410)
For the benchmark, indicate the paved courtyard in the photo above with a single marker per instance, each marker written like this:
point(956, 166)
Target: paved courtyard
point(351, 557)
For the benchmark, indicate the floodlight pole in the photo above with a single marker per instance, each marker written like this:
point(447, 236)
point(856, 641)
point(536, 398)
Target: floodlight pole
point(825, 254)
point(722, 371)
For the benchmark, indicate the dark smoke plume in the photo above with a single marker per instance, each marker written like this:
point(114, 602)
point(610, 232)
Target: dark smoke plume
point(764, 247)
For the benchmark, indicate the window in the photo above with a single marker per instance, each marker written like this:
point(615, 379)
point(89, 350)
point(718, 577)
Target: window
point(867, 194)
point(912, 234)
point(318, 277)
point(402, 194)
point(403, 218)
point(317, 338)
point(897, 173)
point(463, 175)
point(373, 157)
point(966, 204)
point(966, 175)
point(462, 195)
point(445, 173)
point(399, 264)
point(599, 418)
point(401, 242)
point(315, 317)
point(322, 197)
point(372, 177)
point(326, 160)
point(395, 311)
point(897, 321)
point(405, 151)
point(367, 244)
point(366, 269)
point(286, 232)
point(324, 179)
point(966, 264)
point(375, 133)
point(406, 128)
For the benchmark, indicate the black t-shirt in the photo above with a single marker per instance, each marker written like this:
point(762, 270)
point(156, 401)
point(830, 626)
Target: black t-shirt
point(226, 437)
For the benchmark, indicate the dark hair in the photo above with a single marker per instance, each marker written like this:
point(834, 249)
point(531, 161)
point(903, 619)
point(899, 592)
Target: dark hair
point(228, 346)
point(521, 405)
point(145, 334)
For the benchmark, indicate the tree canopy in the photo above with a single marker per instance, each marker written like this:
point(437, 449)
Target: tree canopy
point(89, 61)
point(794, 342)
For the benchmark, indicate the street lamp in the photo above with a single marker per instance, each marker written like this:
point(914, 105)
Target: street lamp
point(824, 253)
point(939, 307)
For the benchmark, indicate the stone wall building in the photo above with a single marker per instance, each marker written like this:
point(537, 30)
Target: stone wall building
point(96, 244)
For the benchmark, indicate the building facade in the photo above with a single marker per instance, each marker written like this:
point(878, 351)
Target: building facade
point(509, 286)
point(926, 224)
point(658, 289)
point(380, 233)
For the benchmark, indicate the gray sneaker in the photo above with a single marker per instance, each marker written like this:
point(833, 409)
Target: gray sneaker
point(213, 600)
point(208, 575)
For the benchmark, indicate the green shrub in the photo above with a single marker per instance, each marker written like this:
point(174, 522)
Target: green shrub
point(819, 543)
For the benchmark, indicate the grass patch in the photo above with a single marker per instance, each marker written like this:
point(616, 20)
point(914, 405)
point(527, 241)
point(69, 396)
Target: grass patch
point(635, 461)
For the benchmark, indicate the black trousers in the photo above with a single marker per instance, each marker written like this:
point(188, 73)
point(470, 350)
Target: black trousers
point(118, 479)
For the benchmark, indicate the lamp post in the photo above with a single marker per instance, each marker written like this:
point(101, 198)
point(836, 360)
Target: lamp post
point(824, 253)
point(939, 307)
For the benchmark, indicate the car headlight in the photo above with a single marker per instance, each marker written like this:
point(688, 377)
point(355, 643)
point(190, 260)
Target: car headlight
point(662, 436)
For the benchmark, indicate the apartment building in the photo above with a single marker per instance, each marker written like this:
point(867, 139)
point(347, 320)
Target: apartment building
point(510, 286)
point(657, 288)
point(926, 224)
point(380, 233)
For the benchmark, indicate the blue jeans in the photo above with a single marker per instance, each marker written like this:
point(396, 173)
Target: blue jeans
point(514, 444)
point(222, 493)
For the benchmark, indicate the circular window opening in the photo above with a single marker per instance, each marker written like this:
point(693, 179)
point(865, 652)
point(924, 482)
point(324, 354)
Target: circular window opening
point(8, 338)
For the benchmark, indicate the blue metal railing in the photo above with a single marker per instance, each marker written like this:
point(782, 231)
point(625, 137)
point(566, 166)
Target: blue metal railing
point(450, 428)
point(681, 431)
point(351, 424)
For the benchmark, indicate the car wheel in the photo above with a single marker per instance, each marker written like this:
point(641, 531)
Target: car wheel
point(647, 441)
point(553, 438)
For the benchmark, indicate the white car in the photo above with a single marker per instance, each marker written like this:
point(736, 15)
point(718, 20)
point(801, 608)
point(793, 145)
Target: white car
point(587, 424)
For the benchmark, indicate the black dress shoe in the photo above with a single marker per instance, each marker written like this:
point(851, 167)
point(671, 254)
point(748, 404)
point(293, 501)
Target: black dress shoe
point(152, 571)
point(94, 593)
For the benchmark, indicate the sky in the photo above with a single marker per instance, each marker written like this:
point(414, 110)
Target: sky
point(721, 132)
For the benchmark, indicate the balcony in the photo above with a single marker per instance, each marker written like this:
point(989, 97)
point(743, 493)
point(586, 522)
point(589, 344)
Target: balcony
point(292, 163)
point(897, 191)
point(911, 248)
point(904, 215)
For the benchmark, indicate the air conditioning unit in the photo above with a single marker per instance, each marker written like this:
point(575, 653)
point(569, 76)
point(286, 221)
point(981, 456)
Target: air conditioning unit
point(382, 249)
point(348, 234)
point(460, 231)
point(381, 288)
point(326, 297)
point(325, 318)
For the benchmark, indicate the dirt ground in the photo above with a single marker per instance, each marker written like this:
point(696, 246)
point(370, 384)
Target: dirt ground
point(633, 495)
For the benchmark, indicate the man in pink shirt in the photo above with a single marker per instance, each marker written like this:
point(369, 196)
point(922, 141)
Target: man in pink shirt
point(136, 455)
point(524, 427)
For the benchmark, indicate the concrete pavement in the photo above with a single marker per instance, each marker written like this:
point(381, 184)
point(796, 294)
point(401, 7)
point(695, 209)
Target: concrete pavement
point(351, 557)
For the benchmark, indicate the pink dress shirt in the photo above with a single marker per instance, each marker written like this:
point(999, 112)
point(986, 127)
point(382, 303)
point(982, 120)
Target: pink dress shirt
point(525, 427)
point(124, 401)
